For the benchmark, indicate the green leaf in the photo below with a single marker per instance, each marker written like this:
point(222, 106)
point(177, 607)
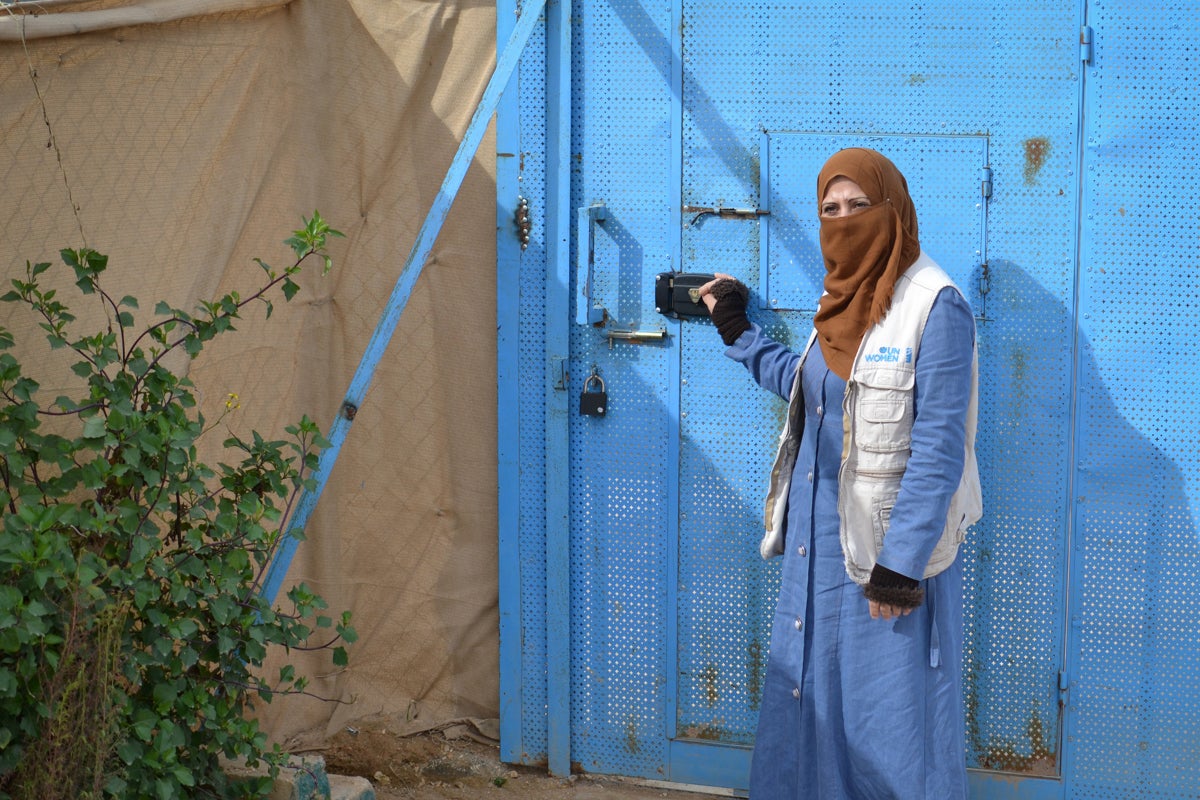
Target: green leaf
point(128, 300)
point(142, 547)
point(93, 428)
point(24, 389)
point(130, 751)
point(222, 609)
point(165, 695)
point(184, 776)
point(143, 723)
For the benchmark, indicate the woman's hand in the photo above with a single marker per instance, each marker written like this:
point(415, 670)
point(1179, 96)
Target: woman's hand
point(885, 611)
point(891, 595)
point(706, 289)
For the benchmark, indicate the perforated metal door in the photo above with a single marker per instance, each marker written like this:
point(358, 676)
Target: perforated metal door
point(906, 80)
point(729, 428)
point(1135, 610)
point(1082, 632)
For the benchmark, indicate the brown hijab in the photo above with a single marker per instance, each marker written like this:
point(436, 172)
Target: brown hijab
point(865, 253)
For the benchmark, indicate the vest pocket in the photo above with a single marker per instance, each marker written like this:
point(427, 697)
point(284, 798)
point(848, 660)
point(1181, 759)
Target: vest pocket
point(881, 514)
point(883, 428)
point(865, 507)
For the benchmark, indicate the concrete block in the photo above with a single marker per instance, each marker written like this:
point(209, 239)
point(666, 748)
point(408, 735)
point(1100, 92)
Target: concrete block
point(349, 787)
point(303, 778)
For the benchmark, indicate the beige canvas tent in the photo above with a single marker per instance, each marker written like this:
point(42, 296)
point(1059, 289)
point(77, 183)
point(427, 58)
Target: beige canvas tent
point(183, 138)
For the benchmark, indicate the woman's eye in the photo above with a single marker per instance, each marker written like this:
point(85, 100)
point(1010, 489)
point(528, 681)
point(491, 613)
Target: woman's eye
point(828, 210)
point(862, 204)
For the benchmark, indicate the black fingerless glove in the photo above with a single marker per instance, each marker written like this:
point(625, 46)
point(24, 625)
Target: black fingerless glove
point(893, 589)
point(729, 313)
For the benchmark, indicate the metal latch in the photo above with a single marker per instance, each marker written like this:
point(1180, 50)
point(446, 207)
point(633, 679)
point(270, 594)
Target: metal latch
point(723, 212)
point(637, 337)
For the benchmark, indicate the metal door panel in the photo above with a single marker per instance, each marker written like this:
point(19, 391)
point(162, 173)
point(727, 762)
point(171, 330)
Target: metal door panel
point(1133, 692)
point(726, 593)
point(922, 83)
point(1081, 573)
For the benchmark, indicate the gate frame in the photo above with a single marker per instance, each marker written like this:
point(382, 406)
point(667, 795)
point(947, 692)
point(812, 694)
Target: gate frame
point(556, 219)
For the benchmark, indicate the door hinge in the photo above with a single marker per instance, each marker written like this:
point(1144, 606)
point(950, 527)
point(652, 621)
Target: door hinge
point(1064, 686)
point(985, 181)
point(1085, 44)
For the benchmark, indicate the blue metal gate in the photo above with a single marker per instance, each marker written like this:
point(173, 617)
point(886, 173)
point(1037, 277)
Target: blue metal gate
point(1051, 152)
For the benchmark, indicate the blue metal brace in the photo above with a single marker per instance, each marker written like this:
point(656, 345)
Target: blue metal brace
point(505, 64)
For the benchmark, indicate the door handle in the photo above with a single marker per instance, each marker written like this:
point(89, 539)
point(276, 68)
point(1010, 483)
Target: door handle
point(586, 310)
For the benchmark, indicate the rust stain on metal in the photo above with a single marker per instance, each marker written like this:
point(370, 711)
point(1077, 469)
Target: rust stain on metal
point(1020, 366)
point(754, 681)
point(631, 740)
point(705, 731)
point(1036, 151)
point(713, 731)
point(971, 702)
point(1019, 381)
point(710, 675)
point(1029, 756)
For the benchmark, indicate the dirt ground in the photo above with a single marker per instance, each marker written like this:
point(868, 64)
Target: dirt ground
point(430, 766)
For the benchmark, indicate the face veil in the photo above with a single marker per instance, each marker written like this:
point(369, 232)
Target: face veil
point(865, 253)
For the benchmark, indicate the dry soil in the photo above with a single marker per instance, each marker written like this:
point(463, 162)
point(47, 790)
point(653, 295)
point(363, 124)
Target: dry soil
point(430, 766)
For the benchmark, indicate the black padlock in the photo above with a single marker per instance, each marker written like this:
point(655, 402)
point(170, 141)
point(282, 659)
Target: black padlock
point(593, 404)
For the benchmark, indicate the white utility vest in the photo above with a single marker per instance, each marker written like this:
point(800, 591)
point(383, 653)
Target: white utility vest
point(878, 421)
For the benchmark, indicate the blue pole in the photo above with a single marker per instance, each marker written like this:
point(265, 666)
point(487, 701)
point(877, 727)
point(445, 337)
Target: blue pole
point(508, 408)
point(558, 341)
point(361, 382)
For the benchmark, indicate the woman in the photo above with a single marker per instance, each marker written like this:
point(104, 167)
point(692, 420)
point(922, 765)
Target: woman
point(873, 488)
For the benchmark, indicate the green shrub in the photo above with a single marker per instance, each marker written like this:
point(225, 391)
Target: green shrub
point(131, 624)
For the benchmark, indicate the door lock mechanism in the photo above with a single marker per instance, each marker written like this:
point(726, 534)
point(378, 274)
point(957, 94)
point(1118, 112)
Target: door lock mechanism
point(677, 294)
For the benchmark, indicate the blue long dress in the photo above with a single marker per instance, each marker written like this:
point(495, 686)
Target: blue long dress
point(855, 708)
